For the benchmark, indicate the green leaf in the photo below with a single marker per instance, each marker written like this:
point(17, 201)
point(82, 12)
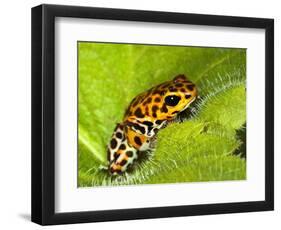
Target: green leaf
point(200, 148)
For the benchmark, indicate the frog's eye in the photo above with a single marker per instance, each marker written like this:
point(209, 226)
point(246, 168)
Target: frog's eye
point(172, 100)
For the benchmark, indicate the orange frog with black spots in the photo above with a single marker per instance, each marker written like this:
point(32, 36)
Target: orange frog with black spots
point(147, 113)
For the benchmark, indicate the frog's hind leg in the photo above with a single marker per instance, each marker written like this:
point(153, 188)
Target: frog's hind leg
point(116, 140)
point(124, 157)
point(120, 153)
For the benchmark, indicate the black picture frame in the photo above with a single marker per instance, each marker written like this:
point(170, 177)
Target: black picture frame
point(43, 110)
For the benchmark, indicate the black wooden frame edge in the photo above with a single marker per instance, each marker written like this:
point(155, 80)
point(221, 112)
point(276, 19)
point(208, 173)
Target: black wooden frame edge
point(36, 115)
point(43, 196)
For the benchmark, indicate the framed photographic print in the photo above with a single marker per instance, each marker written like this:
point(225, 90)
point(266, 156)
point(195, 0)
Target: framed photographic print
point(141, 114)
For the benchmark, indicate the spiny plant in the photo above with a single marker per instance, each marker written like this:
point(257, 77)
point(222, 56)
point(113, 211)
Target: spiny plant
point(198, 146)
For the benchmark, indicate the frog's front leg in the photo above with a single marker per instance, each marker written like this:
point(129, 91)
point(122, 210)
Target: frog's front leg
point(137, 139)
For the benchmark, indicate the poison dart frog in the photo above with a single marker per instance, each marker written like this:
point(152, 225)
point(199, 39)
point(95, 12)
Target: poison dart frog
point(147, 113)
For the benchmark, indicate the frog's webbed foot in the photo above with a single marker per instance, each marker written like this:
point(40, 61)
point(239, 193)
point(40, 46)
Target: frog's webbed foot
point(152, 144)
point(103, 168)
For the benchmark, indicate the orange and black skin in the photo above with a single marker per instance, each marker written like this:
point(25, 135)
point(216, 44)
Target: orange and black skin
point(147, 113)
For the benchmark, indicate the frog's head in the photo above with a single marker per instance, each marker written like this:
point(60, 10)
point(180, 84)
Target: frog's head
point(178, 94)
point(162, 102)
